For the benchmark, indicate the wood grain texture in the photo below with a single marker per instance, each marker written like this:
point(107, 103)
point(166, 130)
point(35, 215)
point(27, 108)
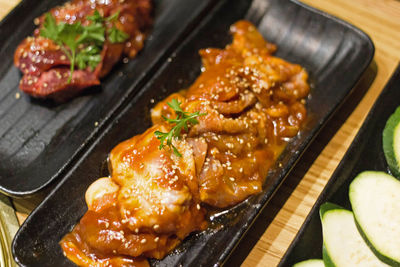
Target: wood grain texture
point(6, 6)
point(264, 246)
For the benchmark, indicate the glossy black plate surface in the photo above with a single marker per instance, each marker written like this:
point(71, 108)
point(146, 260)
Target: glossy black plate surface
point(334, 53)
point(39, 140)
point(365, 153)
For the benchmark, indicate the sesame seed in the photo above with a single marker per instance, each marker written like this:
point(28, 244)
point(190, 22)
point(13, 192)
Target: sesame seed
point(198, 206)
point(156, 239)
point(232, 179)
point(96, 124)
point(143, 241)
point(63, 57)
point(156, 226)
point(17, 95)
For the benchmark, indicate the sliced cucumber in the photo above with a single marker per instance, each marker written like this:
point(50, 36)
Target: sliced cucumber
point(310, 263)
point(391, 142)
point(375, 199)
point(343, 244)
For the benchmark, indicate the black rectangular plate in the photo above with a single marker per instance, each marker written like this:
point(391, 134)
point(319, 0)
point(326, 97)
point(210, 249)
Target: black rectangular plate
point(365, 153)
point(334, 53)
point(39, 140)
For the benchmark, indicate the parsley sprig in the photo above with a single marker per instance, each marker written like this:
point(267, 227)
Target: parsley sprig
point(181, 121)
point(83, 44)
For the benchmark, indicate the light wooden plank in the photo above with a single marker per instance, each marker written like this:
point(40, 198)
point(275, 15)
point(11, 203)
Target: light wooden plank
point(6, 6)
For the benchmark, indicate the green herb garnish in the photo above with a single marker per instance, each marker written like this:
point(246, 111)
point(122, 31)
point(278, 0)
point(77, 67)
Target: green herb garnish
point(181, 121)
point(82, 44)
point(114, 34)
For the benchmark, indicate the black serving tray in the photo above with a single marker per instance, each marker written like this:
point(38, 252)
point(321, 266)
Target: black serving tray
point(365, 153)
point(335, 54)
point(40, 140)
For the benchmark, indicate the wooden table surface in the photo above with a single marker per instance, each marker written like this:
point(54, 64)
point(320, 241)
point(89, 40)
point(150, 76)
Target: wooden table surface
point(276, 227)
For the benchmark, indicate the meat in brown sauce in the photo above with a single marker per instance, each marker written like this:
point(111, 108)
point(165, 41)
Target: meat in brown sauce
point(153, 199)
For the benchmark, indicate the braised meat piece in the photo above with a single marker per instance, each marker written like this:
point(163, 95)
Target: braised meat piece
point(146, 208)
point(253, 102)
point(246, 103)
point(46, 66)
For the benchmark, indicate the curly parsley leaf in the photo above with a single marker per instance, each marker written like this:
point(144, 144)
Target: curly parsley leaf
point(93, 33)
point(113, 17)
point(182, 121)
point(96, 17)
point(82, 44)
point(117, 36)
point(114, 34)
point(50, 28)
point(89, 56)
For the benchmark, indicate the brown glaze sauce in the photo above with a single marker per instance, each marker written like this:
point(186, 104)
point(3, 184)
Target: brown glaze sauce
point(153, 199)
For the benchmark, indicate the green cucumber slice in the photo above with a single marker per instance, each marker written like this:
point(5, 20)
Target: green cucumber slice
point(310, 263)
point(391, 142)
point(343, 244)
point(375, 199)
